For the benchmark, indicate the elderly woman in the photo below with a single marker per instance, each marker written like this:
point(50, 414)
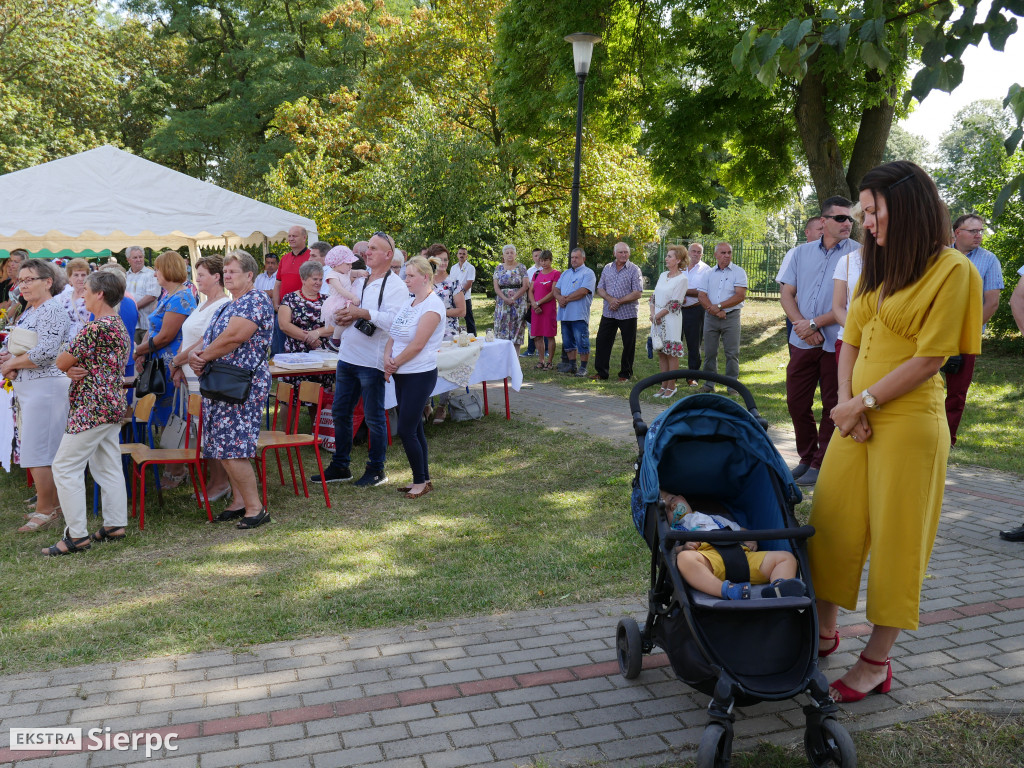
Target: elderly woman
point(510, 287)
point(916, 303)
point(410, 355)
point(9, 284)
point(40, 386)
point(73, 295)
point(239, 335)
point(210, 281)
point(667, 315)
point(299, 317)
point(95, 363)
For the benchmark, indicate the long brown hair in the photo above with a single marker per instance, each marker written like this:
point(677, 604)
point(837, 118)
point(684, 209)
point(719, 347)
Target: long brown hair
point(918, 227)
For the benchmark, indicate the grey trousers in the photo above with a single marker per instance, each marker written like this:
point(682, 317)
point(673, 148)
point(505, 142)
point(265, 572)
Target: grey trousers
point(727, 332)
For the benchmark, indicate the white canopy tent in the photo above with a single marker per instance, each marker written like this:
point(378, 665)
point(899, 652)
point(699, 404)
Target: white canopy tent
point(108, 198)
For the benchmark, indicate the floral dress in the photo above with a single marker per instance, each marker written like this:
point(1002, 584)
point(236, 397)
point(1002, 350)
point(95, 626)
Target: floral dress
point(230, 431)
point(670, 293)
point(446, 290)
point(102, 348)
point(509, 318)
point(306, 314)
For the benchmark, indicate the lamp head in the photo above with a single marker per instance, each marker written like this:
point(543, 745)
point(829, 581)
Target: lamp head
point(582, 50)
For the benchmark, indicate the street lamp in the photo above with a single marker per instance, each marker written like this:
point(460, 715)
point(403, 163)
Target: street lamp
point(582, 51)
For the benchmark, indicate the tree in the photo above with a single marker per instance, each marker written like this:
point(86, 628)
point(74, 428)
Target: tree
point(904, 145)
point(971, 157)
point(57, 82)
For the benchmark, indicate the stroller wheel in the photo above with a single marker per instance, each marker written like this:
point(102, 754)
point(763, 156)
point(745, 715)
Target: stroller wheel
point(715, 750)
point(829, 744)
point(629, 648)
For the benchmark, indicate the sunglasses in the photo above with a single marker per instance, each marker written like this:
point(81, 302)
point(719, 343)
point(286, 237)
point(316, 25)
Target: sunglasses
point(386, 237)
point(842, 218)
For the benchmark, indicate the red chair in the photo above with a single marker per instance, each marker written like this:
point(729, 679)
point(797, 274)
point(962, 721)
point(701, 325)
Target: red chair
point(283, 400)
point(309, 394)
point(143, 456)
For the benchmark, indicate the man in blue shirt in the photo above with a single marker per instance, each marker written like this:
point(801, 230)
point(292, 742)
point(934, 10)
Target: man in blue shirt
point(574, 293)
point(806, 296)
point(967, 234)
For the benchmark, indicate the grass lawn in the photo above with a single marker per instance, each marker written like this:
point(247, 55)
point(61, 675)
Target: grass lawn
point(517, 521)
point(991, 433)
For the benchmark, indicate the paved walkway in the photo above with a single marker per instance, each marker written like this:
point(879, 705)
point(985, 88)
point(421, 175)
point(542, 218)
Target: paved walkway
point(509, 689)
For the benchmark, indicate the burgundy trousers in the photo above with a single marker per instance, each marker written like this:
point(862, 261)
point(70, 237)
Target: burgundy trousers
point(807, 369)
point(957, 385)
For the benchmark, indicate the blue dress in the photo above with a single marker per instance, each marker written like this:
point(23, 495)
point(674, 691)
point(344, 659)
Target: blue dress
point(230, 431)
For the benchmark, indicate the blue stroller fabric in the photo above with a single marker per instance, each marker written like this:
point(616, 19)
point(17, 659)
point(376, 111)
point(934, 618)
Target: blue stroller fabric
point(709, 445)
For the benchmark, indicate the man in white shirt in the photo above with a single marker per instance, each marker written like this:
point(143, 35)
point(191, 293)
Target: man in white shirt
point(265, 280)
point(693, 313)
point(361, 363)
point(142, 285)
point(465, 274)
point(722, 296)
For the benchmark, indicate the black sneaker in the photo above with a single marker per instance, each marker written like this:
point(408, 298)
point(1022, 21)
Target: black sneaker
point(371, 478)
point(332, 475)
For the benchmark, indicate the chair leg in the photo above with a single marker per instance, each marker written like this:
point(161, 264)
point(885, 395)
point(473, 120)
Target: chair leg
point(302, 473)
point(323, 480)
point(202, 486)
point(262, 468)
point(142, 498)
point(192, 472)
point(280, 469)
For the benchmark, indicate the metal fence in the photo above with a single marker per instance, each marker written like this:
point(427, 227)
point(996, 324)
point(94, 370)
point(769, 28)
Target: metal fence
point(761, 262)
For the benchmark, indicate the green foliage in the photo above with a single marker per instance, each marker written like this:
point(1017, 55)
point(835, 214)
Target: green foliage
point(57, 81)
point(740, 222)
point(904, 145)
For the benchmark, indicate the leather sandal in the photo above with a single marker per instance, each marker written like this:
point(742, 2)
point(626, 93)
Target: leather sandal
point(72, 546)
point(822, 654)
point(39, 521)
point(107, 534)
point(407, 488)
point(848, 695)
point(426, 489)
point(229, 514)
point(255, 521)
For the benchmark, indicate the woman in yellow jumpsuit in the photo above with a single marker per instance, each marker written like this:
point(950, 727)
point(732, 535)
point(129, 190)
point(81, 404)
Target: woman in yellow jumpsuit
point(880, 490)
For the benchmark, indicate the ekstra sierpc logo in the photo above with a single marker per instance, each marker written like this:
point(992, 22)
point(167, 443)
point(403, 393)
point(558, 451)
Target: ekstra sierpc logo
point(96, 739)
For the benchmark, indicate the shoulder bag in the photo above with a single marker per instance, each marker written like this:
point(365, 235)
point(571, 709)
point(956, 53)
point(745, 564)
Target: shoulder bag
point(224, 382)
point(153, 377)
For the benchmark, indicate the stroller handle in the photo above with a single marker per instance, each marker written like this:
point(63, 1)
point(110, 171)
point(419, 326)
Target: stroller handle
point(686, 373)
point(803, 532)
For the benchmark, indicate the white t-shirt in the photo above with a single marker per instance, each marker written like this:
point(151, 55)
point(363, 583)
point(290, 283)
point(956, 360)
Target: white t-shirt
point(785, 263)
point(265, 282)
point(1021, 271)
point(848, 269)
point(403, 330)
point(194, 327)
point(357, 348)
point(463, 274)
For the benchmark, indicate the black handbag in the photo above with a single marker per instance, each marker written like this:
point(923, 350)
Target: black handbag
point(225, 383)
point(153, 377)
point(953, 365)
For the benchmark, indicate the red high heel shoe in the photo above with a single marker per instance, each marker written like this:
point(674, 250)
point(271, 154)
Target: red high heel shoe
point(848, 696)
point(822, 654)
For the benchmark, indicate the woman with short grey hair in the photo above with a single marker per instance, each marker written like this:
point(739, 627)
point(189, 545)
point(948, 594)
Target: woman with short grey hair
point(239, 334)
point(299, 317)
point(511, 282)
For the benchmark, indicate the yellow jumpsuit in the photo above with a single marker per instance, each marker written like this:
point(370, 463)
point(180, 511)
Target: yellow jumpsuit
point(884, 496)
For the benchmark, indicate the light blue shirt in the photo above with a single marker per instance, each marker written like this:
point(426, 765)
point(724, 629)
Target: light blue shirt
point(570, 282)
point(810, 271)
point(989, 268)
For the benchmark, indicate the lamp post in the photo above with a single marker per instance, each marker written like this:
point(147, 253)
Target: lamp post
point(582, 51)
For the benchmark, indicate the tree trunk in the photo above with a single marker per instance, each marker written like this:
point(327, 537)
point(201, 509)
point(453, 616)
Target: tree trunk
point(824, 156)
point(872, 135)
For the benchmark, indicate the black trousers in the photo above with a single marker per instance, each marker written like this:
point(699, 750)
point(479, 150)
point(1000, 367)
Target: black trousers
point(693, 332)
point(606, 339)
point(470, 322)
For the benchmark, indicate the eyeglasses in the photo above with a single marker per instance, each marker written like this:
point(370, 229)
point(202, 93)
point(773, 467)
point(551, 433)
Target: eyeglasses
point(386, 236)
point(971, 231)
point(27, 280)
point(842, 218)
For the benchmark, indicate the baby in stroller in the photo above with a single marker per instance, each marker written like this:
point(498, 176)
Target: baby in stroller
point(703, 568)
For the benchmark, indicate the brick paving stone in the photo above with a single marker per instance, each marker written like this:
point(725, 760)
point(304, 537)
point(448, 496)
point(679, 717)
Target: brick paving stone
point(619, 713)
point(528, 747)
point(579, 737)
point(470, 737)
point(393, 686)
point(525, 695)
point(382, 662)
point(504, 670)
point(439, 724)
point(451, 678)
point(477, 703)
point(458, 757)
point(268, 705)
point(958, 685)
point(641, 745)
point(401, 714)
point(349, 757)
point(271, 734)
point(503, 714)
point(545, 725)
point(556, 706)
point(435, 742)
point(289, 762)
point(328, 742)
point(339, 725)
point(1010, 676)
point(373, 735)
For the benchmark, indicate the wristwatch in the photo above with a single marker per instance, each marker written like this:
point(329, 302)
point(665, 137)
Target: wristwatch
point(869, 400)
point(719, 306)
point(814, 325)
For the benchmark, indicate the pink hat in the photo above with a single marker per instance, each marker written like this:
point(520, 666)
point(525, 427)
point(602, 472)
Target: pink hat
point(340, 254)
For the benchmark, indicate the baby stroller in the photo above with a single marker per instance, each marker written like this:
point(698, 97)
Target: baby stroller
point(718, 455)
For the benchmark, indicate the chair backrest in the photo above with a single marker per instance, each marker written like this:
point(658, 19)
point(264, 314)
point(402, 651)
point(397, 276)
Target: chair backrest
point(142, 414)
point(195, 411)
point(311, 394)
point(283, 397)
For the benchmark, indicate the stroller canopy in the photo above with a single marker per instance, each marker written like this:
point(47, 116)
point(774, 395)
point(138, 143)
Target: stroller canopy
point(709, 445)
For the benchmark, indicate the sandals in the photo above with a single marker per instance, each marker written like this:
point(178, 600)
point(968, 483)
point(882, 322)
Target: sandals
point(71, 546)
point(107, 534)
point(229, 514)
point(407, 488)
point(255, 521)
point(440, 414)
point(822, 654)
point(847, 695)
point(426, 489)
point(39, 520)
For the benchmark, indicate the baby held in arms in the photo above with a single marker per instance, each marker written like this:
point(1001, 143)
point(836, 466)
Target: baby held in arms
point(339, 276)
point(702, 567)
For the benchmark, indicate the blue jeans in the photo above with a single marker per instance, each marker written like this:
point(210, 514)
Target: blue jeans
point(352, 382)
point(413, 391)
point(576, 335)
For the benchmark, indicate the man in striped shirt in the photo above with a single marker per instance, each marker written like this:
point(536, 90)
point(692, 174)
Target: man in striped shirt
point(621, 286)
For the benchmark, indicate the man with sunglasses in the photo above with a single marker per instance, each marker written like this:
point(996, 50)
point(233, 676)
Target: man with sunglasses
point(806, 297)
point(361, 363)
point(967, 234)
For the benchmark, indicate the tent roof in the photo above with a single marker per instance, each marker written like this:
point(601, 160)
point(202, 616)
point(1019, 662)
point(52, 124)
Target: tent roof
point(109, 198)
